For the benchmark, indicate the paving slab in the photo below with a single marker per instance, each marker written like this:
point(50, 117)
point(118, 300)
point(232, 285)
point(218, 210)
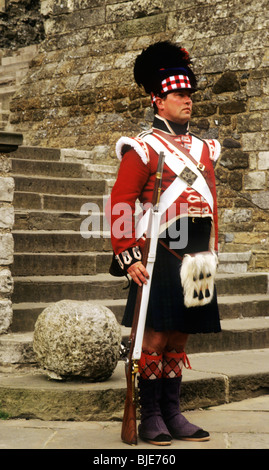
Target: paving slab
point(240, 425)
point(231, 363)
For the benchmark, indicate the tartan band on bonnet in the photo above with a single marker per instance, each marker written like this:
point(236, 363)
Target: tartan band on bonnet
point(175, 82)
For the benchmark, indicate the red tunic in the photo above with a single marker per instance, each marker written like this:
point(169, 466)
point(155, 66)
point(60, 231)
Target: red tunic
point(136, 179)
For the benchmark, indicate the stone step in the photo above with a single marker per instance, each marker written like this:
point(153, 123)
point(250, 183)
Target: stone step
point(55, 202)
point(227, 284)
point(7, 79)
point(25, 314)
point(57, 220)
point(7, 90)
point(236, 335)
point(61, 241)
point(248, 305)
point(60, 186)
point(11, 139)
point(70, 241)
point(234, 262)
point(40, 263)
point(96, 171)
point(47, 168)
point(37, 153)
point(81, 158)
point(55, 288)
point(215, 378)
point(105, 286)
point(237, 307)
point(242, 284)
point(230, 307)
point(13, 64)
point(68, 264)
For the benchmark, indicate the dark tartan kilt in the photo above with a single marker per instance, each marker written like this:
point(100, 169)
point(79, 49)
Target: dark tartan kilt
point(166, 309)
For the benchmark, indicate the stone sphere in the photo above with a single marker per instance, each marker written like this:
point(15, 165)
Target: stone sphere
point(77, 339)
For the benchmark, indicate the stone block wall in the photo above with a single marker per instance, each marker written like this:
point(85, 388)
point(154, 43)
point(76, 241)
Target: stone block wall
point(8, 143)
point(80, 93)
point(21, 29)
point(14, 66)
point(6, 242)
point(21, 23)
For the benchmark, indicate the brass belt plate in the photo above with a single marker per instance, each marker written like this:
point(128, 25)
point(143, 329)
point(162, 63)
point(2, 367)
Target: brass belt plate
point(188, 176)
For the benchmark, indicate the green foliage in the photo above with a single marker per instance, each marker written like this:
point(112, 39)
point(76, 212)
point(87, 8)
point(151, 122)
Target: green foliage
point(3, 414)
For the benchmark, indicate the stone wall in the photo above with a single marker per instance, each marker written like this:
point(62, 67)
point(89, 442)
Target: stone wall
point(21, 29)
point(21, 23)
point(14, 65)
point(80, 92)
point(8, 143)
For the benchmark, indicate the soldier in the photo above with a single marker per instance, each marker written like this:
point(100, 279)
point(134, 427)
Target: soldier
point(164, 70)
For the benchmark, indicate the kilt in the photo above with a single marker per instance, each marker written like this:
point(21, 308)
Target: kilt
point(166, 309)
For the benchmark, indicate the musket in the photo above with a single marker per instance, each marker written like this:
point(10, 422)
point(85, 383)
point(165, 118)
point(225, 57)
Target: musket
point(129, 429)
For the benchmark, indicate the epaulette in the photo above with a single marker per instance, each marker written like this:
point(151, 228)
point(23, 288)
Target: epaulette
point(126, 143)
point(213, 145)
point(214, 148)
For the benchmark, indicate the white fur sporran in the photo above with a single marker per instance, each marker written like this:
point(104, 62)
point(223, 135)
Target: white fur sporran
point(197, 273)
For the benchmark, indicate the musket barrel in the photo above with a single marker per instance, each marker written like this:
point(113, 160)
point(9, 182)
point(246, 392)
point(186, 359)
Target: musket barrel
point(152, 236)
point(129, 432)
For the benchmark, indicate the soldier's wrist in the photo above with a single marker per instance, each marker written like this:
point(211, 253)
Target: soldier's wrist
point(129, 257)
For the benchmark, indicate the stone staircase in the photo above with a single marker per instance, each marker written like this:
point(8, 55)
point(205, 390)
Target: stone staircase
point(53, 261)
point(14, 66)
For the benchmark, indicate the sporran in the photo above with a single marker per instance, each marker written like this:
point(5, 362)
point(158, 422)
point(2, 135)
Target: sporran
point(197, 273)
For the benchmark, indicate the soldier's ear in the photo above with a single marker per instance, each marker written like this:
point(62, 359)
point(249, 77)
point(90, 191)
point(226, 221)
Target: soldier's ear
point(159, 103)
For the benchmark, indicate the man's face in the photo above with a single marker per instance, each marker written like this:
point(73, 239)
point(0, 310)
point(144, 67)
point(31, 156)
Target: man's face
point(176, 106)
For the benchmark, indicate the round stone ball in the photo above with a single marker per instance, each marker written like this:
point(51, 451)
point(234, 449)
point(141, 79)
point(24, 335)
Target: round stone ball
point(77, 339)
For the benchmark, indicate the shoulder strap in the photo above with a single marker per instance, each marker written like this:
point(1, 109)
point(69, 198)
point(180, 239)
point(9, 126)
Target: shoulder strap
point(178, 185)
point(180, 147)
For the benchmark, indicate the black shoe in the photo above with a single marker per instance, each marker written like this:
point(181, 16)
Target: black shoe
point(160, 440)
point(198, 436)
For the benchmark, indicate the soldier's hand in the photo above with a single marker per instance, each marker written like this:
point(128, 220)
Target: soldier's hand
point(138, 273)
